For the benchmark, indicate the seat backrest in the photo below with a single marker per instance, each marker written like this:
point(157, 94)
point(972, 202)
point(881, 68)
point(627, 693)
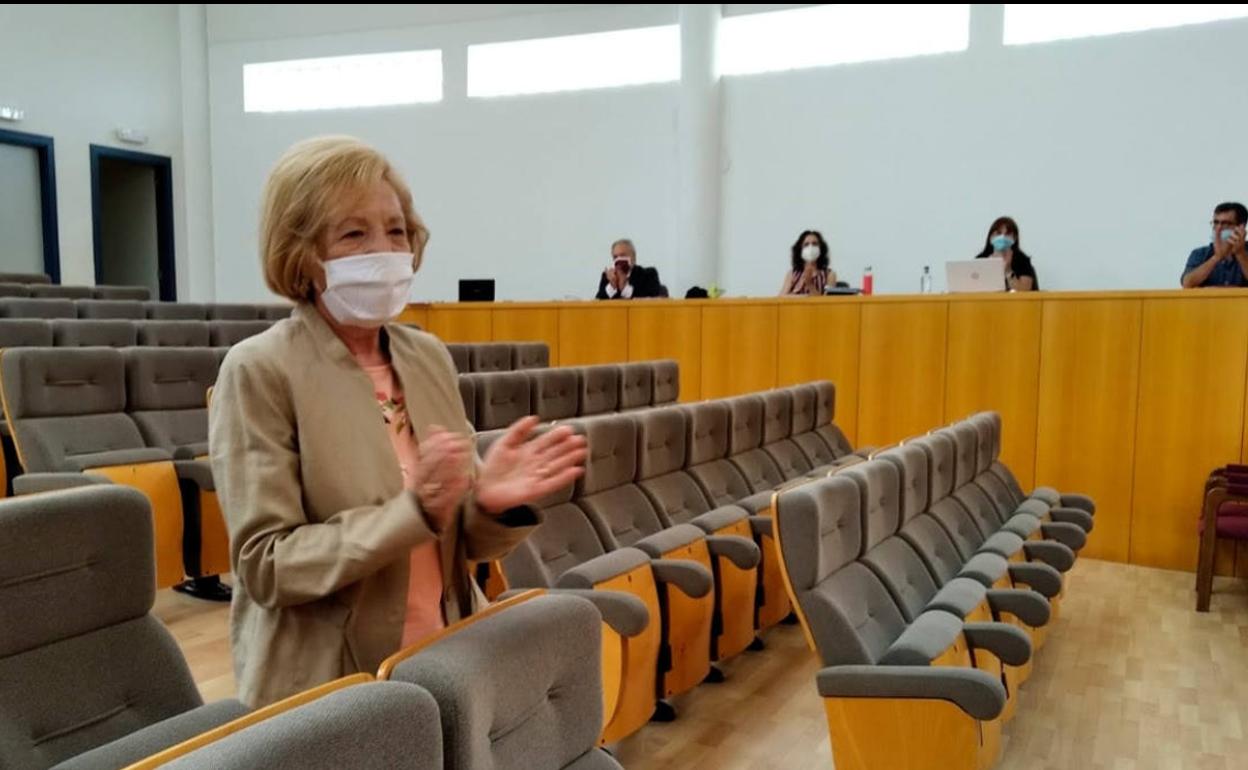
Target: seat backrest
point(803, 412)
point(923, 533)
point(530, 355)
point(706, 449)
point(777, 415)
point(222, 334)
point(911, 463)
point(554, 393)
point(661, 438)
point(25, 333)
point(825, 402)
point(236, 312)
point(82, 333)
point(849, 613)
point(636, 386)
point(600, 389)
point(617, 508)
point(502, 398)
point(459, 357)
point(966, 452)
point(87, 663)
point(20, 307)
point(57, 291)
point(371, 726)
point(468, 394)
point(666, 381)
point(490, 357)
point(942, 506)
point(65, 407)
point(137, 293)
point(275, 312)
point(176, 311)
point(14, 290)
point(563, 540)
point(745, 439)
point(173, 334)
point(110, 308)
point(890, 557)
point(539, 705)
point(166, 395)
point(25, 278)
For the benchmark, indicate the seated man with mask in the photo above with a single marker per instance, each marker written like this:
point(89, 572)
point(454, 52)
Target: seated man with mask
point(625, 279)
point(1224, 262)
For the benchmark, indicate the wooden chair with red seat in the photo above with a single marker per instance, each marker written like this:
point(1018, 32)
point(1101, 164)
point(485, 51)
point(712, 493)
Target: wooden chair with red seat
point(1224, 514)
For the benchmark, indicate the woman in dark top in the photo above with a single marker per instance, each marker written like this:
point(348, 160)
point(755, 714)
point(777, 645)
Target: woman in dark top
point(809, 274)
point(1002, 241)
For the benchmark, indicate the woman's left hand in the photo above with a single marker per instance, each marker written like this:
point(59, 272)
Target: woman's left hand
point(516, 470)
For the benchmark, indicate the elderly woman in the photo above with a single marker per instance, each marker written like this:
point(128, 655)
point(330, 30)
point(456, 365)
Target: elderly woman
point(339, 442)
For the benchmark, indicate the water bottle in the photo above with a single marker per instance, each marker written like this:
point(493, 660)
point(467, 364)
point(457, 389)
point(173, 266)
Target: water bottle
point(868, 281)
point(925, 281)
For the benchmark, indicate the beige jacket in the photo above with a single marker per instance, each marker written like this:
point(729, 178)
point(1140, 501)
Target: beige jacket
point(320, 525)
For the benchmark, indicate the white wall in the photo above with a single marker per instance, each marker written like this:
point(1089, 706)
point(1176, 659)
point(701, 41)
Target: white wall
point(79, 72)
point(1110, 153)
point(21, 222)
point(529, 191)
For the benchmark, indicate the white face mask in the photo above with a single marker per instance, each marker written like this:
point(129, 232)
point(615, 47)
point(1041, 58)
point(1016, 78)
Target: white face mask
point(367, 290)
point(810, 252)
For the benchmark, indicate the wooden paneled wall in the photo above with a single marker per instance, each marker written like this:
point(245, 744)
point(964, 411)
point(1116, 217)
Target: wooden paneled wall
point(1131, 397)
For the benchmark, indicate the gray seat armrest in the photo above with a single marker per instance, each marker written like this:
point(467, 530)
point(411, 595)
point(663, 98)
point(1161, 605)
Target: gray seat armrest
point(739, 550)
point(1047, 495)
point(1028, 606)
point(1052, 553)
point(1075, 500)
point(31, 483)
point(959, 596)
point(1009, 643)
point(1037, 508)
point(626, 614)
point(1042, 578)
point(762, 525)
point(720, 518)
point(602, 568)
point(691, 578)
point(986, 568)
point(667, 540)
point(923, 640)
point(156, 737)
point(1022, 524)
point(1068, 534)
point(1002, 543)
point(199, 472)
point(977, 693)
point(1081, 518)
point(759, 501)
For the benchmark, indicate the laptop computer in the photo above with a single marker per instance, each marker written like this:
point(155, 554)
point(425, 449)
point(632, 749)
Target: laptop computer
point(975, 275)
point(476, 290)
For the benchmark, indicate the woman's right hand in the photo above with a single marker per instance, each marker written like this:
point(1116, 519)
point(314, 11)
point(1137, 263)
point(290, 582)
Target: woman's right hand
point(440, 479)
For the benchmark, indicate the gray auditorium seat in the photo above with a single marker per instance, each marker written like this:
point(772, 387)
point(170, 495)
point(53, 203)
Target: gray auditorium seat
point(14, 290)
point(802, 429)
point(459, 356)
point(600, 389)
point(745, 441)
point(235, 312)
point(502, 398)
point(825, 413)
point(176, 311)
point(57, 291)
point(137, 293)
point(777, 436)
point(88, 675)
point(25, 278)
point(530, 355)
point(554, 393)
point(636, 386)
point(110, 308)
point(708, 424)
point(666, 382)
point(173, 334)
point(222, 334)
point(25, 333)
point(1069, 503)
point(540, 705)
point(490, 357)
point(370, 726)
point(166, 396)
point(19, 307)
point(83, 333)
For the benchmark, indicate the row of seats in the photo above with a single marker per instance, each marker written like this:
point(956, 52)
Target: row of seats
point(665, 513)
point(498, 356)
point(134, 309)
point(133, 416)
point(89, 679)
point(57, 291)
point(497, 399)
point(924, 580)
point(120, 333)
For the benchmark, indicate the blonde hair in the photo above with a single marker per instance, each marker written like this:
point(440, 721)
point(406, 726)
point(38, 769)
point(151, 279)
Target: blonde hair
point(298, 200)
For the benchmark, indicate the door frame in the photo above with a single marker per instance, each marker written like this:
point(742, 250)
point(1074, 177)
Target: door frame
point(43, 147)
point(166, 270)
